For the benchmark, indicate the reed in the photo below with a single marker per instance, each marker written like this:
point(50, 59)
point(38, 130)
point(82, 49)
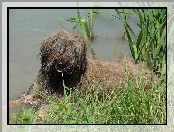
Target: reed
point(86, 27)
point(150, 44)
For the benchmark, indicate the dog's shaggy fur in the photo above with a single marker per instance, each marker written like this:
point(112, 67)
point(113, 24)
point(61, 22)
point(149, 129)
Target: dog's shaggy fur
point(63, 59)
point(63, 52)
point(110, 76)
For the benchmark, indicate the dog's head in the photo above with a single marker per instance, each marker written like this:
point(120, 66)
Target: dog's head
point(64, 52)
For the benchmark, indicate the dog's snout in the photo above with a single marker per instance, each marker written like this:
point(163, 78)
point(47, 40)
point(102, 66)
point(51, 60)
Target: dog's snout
point(62, 64)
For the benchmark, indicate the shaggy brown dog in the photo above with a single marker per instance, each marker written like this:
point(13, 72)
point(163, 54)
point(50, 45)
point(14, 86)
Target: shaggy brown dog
point(64, 63)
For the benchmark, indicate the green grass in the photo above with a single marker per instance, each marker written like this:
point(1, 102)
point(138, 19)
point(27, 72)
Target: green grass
point(132, 105)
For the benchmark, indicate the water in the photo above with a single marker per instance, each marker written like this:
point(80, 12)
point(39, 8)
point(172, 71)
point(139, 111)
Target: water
point(29, 27)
